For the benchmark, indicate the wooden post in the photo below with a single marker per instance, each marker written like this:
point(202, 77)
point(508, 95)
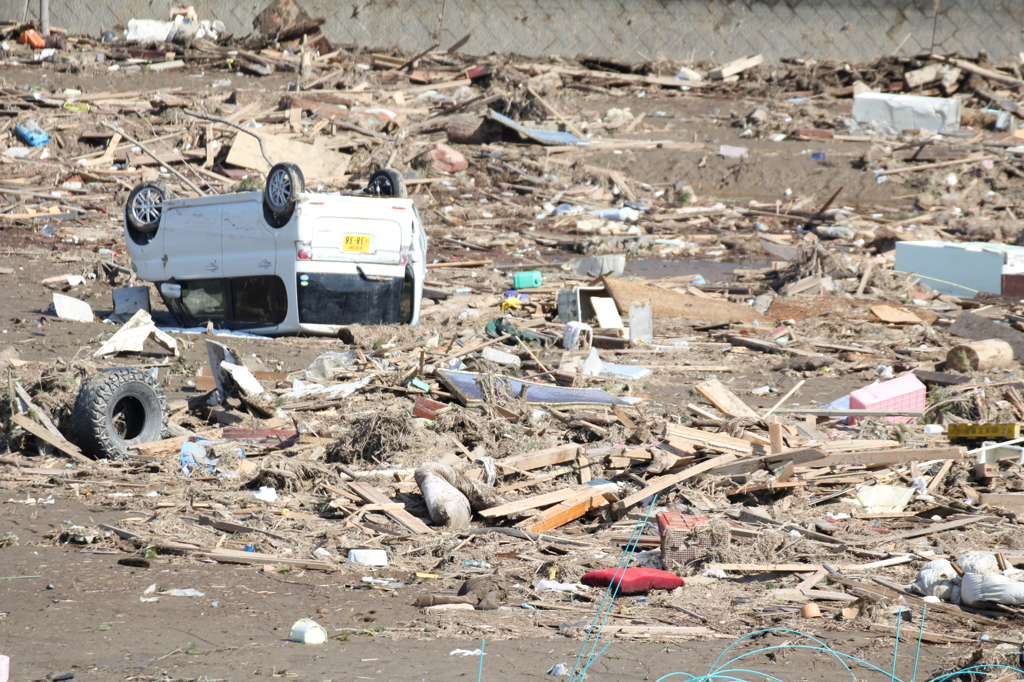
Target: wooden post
point(979, 355)
point(775, 434)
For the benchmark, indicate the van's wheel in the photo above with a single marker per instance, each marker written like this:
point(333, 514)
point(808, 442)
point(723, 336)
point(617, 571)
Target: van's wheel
point(387, 183)
point(117, 409)
point(284, 184)
point(146, 204)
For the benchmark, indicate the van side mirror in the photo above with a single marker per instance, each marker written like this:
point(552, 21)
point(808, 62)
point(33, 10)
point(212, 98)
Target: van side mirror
point(170, 290)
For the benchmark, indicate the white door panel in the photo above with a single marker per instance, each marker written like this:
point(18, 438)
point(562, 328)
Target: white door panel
point(250, 245)
point(192, 242)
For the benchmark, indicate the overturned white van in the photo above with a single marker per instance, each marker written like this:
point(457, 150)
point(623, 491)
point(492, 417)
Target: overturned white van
point(282, 260)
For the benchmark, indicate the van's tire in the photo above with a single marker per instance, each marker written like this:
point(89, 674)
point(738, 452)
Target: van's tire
point(284, 184)
point(116, 409)
point(387, 183)
point(145, 205)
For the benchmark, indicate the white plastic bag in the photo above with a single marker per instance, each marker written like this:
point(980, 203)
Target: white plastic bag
point(936, 578)
point(978, 562)
point(975, 588)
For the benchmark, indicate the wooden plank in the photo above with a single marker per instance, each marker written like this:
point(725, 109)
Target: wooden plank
point(42, 434)
point(789, 568)
point(317, 164)
point(768, 462)
point(798, 595)
point(543, 458)
point(528, 503)
point(883, 457)
point(172, 446)
point(725, 400)
point(735, 67)
point(926, 530)
point(721, 441)
point(564, 512)
point(1011, 501)
point(661, 483)
point(372, 495)
point(234, 556)
point(930, 637)
point(884, 591)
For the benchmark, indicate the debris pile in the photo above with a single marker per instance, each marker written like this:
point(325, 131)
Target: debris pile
point(820, 391)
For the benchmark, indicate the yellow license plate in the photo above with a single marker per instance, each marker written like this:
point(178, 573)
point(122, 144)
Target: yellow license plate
point(356, 243)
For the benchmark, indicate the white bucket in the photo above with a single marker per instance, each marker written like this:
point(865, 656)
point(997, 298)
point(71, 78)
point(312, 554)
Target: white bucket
point(371, 557)
point(308, 631)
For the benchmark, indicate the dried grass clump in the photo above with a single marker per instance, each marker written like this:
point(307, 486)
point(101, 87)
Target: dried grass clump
point(375, 438)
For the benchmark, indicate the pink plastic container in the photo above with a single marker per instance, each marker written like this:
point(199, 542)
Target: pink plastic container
point(905, 393)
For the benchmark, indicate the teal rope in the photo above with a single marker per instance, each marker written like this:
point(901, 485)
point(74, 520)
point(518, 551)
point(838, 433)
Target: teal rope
point(896, 646)
point(608, 600)
point(480, 669)
point(920, 636)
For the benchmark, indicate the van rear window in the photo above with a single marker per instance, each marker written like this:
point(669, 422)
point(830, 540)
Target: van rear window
point(349, 299)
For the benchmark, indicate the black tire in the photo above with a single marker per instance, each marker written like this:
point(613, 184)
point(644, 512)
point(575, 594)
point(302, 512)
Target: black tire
point(117, 409)
point(387, 183)
point(145, 206)
point(284, 184)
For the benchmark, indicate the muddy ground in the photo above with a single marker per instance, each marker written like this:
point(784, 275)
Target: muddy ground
point(65, 610)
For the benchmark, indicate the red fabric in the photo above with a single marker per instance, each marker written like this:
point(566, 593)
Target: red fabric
point(634, 580)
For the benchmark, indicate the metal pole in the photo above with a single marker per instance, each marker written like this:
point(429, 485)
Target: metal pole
point(44, 17)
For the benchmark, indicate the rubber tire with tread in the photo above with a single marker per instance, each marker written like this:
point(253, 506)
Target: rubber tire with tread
point(94, 412)
point(387, 183)
point(279, 211)
point(134, 220)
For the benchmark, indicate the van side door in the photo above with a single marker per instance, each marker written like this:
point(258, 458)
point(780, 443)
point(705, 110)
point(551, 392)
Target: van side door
point(192, 240)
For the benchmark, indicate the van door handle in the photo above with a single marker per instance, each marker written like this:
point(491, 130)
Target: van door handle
point(212, 267)
point(265, 264)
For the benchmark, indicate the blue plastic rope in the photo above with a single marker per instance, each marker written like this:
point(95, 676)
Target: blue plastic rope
point(604, 609)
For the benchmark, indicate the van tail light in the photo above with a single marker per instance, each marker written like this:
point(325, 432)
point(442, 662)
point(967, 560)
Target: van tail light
point(404, 259)
point(303, 251)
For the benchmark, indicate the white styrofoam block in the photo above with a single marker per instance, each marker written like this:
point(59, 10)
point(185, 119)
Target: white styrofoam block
point(68, 308)
point(908, 112)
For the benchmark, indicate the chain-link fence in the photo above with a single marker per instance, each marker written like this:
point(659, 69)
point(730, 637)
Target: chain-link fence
point(703, 30)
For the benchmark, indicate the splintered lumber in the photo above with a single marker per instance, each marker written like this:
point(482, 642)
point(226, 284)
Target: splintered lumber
point(884, 457)
point(768, 462)
point(585, 500)
point(886, 591)
point(374, 496)
point(534, 502)
point(42, 434)
point(725, 400)
point(804, 595)
point(543, 458)
point(789, 568)
point(235, 556)
point(735, 67)
point(926, 530)
point(656, 485)
point(718, 441)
